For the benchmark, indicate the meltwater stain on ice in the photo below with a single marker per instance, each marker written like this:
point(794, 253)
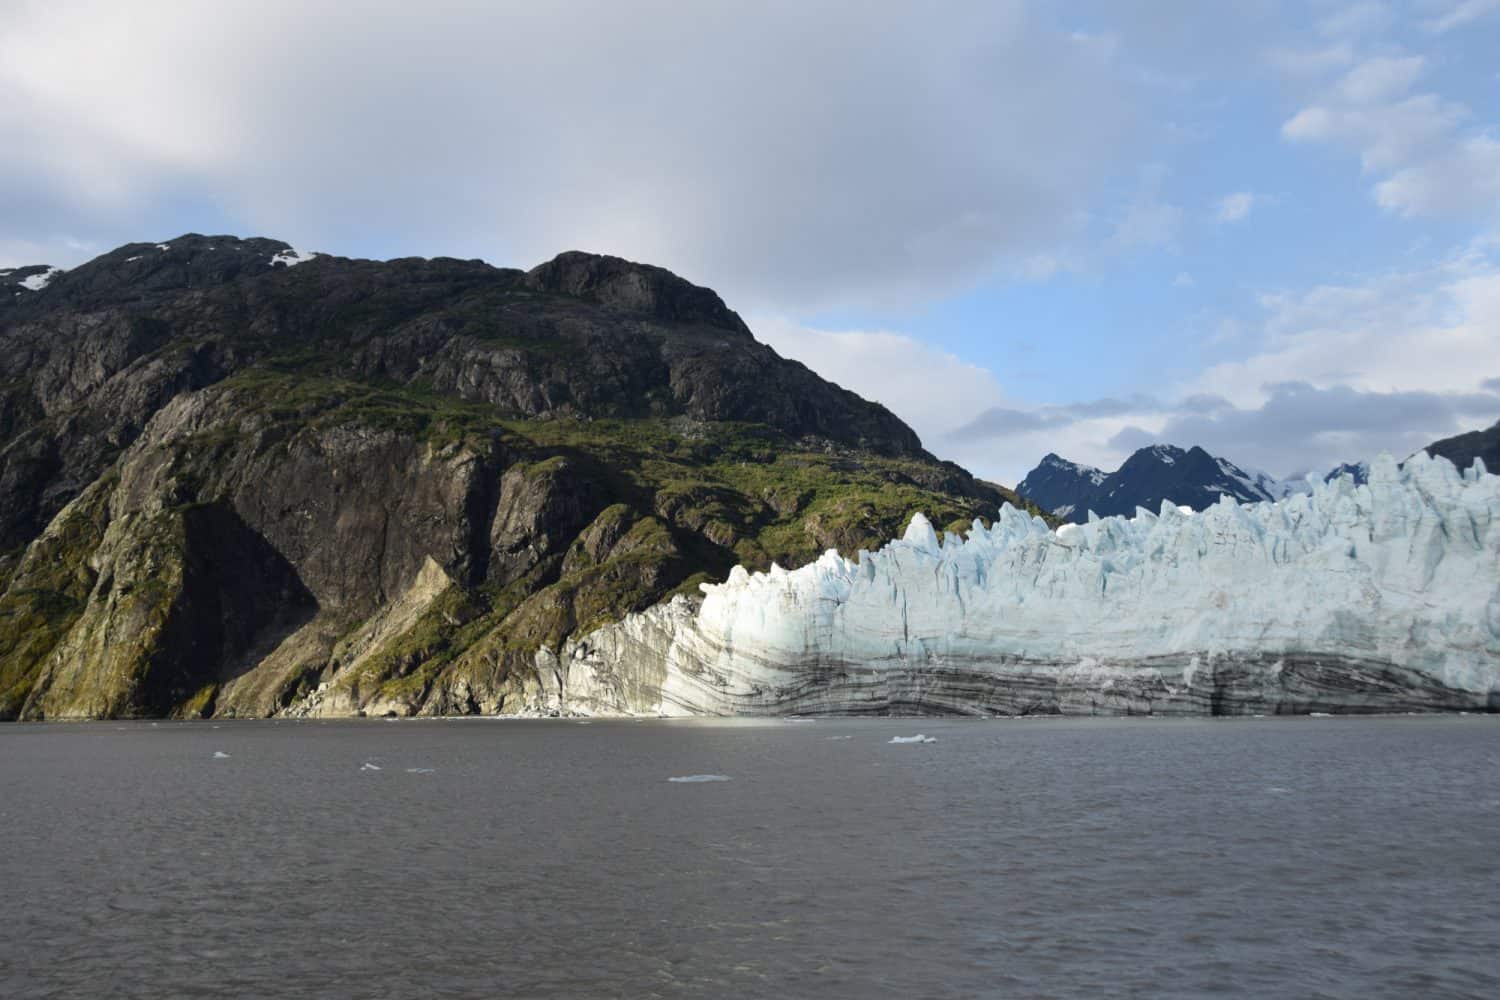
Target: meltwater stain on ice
point(919, 738)
point(694, 779)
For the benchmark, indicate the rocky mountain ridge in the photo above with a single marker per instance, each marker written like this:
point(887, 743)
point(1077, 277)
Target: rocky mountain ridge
point(1189, 477)
point(1463, 449)
point(238, 479)
point(1194, 478)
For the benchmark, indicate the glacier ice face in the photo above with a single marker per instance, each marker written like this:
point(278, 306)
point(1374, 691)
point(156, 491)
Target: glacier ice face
point(1378, 597)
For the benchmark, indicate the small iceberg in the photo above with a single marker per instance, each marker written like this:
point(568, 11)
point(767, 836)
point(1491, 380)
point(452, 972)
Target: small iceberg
point(416, 770)
point(370, 767)
point(830, 738)
point(220, 755)
point(919, 738)
point(693, 779)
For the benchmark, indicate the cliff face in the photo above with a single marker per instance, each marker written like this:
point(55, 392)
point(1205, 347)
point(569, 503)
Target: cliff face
point(1372, 598)
point(239, 480)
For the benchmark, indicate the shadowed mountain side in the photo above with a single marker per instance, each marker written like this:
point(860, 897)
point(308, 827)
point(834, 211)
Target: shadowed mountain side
point(240, 480)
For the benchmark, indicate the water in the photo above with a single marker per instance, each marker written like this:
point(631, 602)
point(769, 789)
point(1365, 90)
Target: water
point(1307, 857)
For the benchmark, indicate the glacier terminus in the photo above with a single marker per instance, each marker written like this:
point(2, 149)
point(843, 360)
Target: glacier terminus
point(1382, 597)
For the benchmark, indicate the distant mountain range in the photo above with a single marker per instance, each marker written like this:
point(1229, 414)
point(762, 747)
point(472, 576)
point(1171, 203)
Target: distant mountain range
point(1190, 477)
point(1194, 478)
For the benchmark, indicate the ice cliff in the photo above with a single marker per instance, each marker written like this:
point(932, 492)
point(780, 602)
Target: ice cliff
point(1353, 598)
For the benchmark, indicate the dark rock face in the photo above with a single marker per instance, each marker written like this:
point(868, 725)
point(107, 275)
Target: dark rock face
point(634, 290)
point(1190, 477)
point(87, 358)
point(1060, 486)
point(1462, 449)
point(237, 480)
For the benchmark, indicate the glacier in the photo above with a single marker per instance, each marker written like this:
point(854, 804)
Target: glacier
point(1383, 597)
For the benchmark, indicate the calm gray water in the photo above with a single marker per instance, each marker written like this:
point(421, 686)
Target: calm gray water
point(1277, 857)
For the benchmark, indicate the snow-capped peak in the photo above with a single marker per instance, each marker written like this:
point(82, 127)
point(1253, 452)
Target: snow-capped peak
point(1166, 453)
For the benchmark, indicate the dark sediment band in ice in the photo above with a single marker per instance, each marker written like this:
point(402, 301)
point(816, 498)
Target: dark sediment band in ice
point(1376, 598)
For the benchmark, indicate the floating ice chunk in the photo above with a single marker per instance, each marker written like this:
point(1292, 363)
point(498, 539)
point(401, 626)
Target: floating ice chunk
point(220, 755)
point(419, 770)
point(696, 779)
point(370, 767)
point(292, 257)
point(919, 738)
point(1278, 790)
point(838, 737)
point(1321, 715)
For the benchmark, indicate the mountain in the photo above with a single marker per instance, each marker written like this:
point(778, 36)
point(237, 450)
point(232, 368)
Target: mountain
point(1191, 478)
point(237, 479)
point(1059, 486)
point(1374, 598)
point(1462, 449)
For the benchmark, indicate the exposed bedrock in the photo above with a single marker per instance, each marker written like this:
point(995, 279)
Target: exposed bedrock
point(1377, 598)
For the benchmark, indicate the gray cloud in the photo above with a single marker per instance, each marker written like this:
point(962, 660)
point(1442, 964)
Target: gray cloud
point(1298, 429)
point(1111, 407)
point(999, 421)
point(797, 154)
point(1302, 428)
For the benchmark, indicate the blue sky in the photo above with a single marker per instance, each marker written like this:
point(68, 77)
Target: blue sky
point(1270, 228)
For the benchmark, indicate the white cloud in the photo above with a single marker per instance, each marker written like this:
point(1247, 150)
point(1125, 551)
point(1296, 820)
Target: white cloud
point(1380, 78)
point(1432, 160)
point(1234, 207)
point(1365, 18)
point(1333, 373)
point(1387, 135)
point(1461, 13)
point(788, 154)
point(1458, 178)
point(1147, 220)
point(1297, 65)
point(932, 390)
point(1434, 330)
point(1183, 280)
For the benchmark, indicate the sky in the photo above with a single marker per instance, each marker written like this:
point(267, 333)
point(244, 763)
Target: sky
point(1268, 228)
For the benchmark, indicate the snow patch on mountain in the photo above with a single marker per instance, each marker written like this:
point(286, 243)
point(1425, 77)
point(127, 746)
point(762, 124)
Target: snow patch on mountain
point(291, 257)
point(37, 282)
